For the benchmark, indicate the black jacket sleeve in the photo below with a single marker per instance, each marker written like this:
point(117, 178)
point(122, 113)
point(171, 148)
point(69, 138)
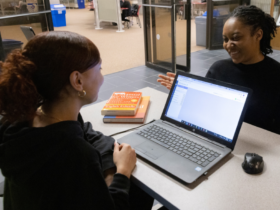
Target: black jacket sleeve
point(103, 144)
point(85, 187)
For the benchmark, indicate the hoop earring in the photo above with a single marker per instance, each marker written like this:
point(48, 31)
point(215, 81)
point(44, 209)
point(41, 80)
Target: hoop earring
point(84, 93)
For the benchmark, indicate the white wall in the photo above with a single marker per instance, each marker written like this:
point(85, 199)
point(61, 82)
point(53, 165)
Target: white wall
point(265, 5)
point(54, 2)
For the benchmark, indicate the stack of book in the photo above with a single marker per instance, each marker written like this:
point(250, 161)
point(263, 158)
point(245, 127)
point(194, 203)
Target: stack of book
point(129, 107)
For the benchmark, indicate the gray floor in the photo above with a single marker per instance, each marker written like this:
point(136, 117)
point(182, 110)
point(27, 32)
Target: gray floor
point(142, 76)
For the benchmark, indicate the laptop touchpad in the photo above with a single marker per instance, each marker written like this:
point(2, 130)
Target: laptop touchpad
point(151, 149)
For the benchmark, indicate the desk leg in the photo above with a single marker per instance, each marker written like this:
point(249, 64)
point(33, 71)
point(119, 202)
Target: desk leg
point(153, 194)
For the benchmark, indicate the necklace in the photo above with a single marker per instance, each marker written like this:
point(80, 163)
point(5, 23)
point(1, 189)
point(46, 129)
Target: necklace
point(44, 114)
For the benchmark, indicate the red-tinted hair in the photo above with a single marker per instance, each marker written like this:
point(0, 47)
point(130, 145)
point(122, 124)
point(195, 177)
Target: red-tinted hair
point(41, 71)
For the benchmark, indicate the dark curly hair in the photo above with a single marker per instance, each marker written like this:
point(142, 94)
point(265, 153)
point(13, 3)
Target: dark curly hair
point(258, 19)
point(40, 71)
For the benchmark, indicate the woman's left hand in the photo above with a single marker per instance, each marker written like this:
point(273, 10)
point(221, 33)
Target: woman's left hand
point(167, 80)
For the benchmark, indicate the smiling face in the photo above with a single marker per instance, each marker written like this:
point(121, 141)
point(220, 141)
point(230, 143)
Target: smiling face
point(242, 45)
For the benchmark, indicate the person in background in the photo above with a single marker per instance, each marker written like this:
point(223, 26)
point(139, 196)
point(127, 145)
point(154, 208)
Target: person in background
point(247, 35)
point(126, 12)
point(22, 6)
point(50, 157)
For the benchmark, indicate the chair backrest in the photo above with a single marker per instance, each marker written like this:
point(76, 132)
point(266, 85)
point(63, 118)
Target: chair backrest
point(139, 6)
point(28, 32)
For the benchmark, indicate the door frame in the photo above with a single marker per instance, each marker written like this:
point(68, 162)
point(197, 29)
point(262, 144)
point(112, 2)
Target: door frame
point(209, 28)
point(147, 38)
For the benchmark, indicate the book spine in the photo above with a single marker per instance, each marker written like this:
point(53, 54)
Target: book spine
point(118, 120)
point(118, 112)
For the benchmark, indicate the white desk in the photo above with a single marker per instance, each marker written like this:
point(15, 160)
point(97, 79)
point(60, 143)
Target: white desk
point(225, 187)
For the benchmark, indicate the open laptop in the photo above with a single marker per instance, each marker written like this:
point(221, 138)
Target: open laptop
point(198, 127)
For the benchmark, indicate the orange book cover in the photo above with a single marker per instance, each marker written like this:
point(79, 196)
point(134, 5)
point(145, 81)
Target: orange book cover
point(139, 117)
point(122, 103)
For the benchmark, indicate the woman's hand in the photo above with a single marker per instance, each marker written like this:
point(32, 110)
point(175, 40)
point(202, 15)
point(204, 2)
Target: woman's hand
point(167, 80)
point(124, 159)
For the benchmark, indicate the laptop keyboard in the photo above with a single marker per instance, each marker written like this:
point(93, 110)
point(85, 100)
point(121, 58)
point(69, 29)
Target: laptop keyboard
point(180, 145)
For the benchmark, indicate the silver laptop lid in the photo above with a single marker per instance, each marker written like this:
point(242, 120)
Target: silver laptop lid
point(208, 107)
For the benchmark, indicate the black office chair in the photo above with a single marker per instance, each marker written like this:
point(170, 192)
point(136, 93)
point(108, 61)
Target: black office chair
point(28, 32)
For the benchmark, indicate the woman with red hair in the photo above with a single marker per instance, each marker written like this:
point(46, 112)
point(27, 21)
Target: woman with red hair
point(50, 158)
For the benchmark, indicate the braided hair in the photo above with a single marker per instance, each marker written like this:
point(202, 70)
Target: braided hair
point(258, 19)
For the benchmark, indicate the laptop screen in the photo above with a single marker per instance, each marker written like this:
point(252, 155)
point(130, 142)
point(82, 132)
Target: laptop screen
point(210, 108)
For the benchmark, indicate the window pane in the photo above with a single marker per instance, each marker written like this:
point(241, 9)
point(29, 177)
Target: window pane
point(265, 5)
point(10, 29)
point(14, 7)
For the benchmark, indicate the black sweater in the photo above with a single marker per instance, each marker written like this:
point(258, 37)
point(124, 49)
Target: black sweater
point(264, 79)
point(59, 166)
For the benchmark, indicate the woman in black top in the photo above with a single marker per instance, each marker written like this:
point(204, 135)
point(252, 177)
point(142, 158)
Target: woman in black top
point(247, 35)
point(50, 158)
point(127, 11)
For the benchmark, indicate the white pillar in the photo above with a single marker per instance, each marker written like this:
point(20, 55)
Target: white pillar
point(119, 13)
point(97, 22)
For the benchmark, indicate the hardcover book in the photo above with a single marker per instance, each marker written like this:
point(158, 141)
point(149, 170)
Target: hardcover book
point(138, 118)
point(122, 103)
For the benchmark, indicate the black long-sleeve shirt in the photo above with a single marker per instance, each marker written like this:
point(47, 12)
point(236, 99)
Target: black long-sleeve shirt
point(59, 166)
point(264, 79)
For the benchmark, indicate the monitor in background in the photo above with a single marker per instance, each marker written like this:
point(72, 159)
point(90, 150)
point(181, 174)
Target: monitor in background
point(208, 107)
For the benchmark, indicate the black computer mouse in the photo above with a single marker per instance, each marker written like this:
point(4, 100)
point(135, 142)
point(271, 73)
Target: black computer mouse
point(253, 163)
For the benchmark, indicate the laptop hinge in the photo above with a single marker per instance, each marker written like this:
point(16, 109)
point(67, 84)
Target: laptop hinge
point(194, 134)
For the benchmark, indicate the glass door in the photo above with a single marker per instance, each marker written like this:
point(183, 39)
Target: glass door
point(183, 34)
point(218, 11)
point(162, 43)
